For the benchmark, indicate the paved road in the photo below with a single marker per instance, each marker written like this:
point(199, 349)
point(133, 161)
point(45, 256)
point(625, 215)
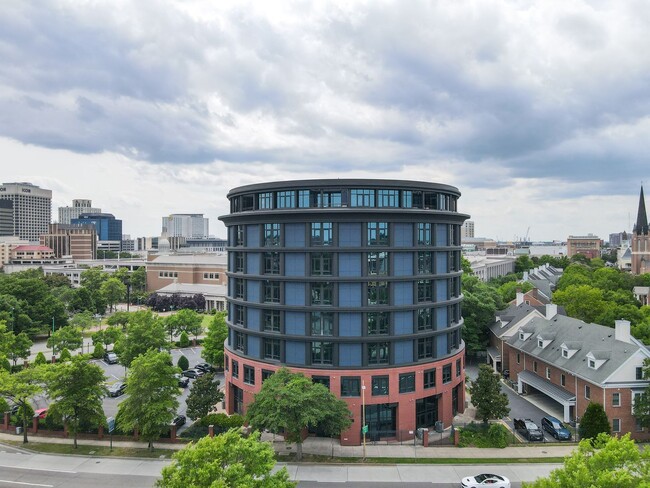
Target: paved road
point(29, 469)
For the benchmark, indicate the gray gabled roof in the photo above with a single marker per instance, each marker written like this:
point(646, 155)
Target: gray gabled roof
point(544, 286)
point(512, 316)
point(594, 338)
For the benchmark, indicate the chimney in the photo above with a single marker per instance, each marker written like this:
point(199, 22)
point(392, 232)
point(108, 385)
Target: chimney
point(551, 310)
point(520, 297)
point(622, 331)
point(525, 278)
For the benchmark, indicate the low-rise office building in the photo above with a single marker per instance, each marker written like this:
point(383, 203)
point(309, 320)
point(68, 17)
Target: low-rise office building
point(191, 269)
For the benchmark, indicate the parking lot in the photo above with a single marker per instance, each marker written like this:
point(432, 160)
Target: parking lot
point(116, 372)
point(532, 407)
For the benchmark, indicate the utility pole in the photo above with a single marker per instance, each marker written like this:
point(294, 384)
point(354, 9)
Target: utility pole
point(53, 339)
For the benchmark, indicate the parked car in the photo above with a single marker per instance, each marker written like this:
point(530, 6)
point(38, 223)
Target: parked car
point(528, 429)
point(556, 428)
point(493, 480)
point(14, 409)
point(205, 367)
point(116, 389)
point(193, 373)
point(41, 413)
point(110, 358)
point(182, 380)
point(179, 420)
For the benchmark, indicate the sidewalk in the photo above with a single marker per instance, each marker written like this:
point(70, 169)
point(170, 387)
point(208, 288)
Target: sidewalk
point(331, 448)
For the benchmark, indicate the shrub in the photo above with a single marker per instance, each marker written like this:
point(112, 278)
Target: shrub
point(65, 355)
point(184, 340)
point(222, 422)
point(480, 435)
point(98, 351)
point(183, 363)
point(4, 406)
point(5, 364)
point(40, 360)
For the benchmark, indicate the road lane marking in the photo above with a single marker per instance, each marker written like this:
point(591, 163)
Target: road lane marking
point(24, 483)
point(38, 469)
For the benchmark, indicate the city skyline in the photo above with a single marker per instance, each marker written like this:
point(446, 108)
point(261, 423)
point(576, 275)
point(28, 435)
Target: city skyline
point(537, 113)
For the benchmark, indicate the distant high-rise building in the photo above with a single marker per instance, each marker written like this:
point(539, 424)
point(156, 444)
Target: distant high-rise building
point(190, 226)
point(79, 206)
point(467, 229)
point(6, 218)
point(107, 226)
point(617, 239)
point(76, 240)
point(641, 240)
point(32, 209)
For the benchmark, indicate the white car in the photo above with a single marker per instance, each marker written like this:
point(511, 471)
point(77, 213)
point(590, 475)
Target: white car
point(493, 480)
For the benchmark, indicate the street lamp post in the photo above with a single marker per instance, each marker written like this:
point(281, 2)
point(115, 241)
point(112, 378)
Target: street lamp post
point(53, 340)
point(364, 427)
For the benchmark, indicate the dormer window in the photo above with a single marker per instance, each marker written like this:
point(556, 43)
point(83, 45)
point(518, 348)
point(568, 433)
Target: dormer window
point(540, 343)
point(524, 335)
point(592, 363)
point(595, 359)
point(565, 353)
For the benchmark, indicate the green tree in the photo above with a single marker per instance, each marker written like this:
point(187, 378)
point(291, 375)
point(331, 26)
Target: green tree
point(21, 346)
point(113, 291)
point(523, 263)
point(83, 300)
point(152, 389)
point(83, 320)
point(204, 395)
point(40, 360)
point(466, 266)
point(508, 291)
point(66, 338)
point(111, 335)
point(605, 463)
point(582, 302)
point(214, 341)
point(65, 355)
point(186, 320)
point(93, 278)
point(98, 351)
point(21, 388)
point(642, 402)
point(480, 303)
point(228, 460)
point(594, 421)
point(144, 332)
point(290, 402)
point(486, 394)
point(183, 363)
point(184, 340)
point(119, 318)
point(77, 388)
point(575, 274)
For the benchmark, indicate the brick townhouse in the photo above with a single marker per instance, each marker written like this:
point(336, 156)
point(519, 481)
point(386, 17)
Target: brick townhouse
point(575, 363)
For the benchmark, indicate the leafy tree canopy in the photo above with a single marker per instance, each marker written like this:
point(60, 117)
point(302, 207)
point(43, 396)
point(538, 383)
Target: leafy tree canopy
point(66, 338)
point(486, 394)
point(290, 402)
point(604, 463)
point(229, 460)
point(77, 387)
point(144, 332)
point(204, 395)
point(152, 401)
point(213, 343)
point(594, 421)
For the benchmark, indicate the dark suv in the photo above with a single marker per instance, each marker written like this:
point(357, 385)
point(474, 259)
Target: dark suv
point(528, 429)
point(556, 428)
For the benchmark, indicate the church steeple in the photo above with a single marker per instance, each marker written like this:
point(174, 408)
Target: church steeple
point(641, 226)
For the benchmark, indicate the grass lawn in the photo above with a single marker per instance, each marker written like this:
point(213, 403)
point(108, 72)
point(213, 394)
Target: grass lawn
point(100, 451)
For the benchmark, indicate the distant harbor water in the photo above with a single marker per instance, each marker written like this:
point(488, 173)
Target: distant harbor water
point(548, 250)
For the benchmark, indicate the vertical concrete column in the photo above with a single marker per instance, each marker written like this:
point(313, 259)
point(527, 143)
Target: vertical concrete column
point(211, 430)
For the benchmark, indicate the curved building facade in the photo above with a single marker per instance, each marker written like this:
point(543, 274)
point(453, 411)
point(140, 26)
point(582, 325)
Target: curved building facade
point(355, 283)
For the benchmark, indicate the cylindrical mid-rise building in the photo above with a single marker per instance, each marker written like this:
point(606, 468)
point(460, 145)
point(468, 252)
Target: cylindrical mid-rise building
point(356, 284)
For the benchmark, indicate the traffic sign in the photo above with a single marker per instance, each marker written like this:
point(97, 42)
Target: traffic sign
point(364, 429)
point(111, 424)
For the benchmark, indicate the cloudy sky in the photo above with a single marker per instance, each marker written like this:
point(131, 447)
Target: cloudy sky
point(537, 111)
